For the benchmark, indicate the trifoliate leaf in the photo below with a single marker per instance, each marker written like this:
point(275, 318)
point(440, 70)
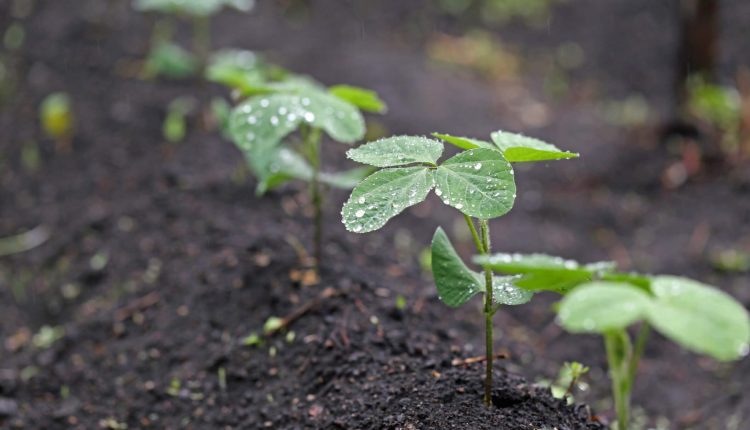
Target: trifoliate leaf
point(456, 283)
point(520, 148)
point(464, 142)
point(397, 151)
point(364, 99)
point(477, 182)
point(598, 307)
point(383, 195)
point(701, 318)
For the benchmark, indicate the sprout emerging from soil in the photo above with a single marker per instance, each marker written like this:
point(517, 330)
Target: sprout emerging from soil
point(57, 119)
point(599, 300)
point(479, 182)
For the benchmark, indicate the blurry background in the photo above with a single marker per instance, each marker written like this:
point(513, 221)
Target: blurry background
point(654, 95)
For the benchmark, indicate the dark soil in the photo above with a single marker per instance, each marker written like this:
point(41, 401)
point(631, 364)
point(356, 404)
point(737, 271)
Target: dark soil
point(194, 262)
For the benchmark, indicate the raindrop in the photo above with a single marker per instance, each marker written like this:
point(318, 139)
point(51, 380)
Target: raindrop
point(251, 120)
point(439, 192)
point(459, 206)
point(361, 200)
point(291, 117)
point(264, 103)
point(282, 111)
point(309, 116)
point(477, 166)
point(360, 213)
point(305, 101)
point(357, 228)
point(274, 120)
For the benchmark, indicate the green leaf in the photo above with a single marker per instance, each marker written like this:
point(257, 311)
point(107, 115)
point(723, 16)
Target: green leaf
point(346, 180)
point(282, 166)
point(366, 100)
point(456, 283)
point(477, 182)
point(519, 148)
point(236, 68)
point(544, 272)
point(170, 60)
point(258, 125)
point(383, 195)
point(397, 151)
point(641, 281)
point(598, 307)
point(505, 291)
point(192, 7)
point(700, 317)
point(464, 142)
point(339, 119)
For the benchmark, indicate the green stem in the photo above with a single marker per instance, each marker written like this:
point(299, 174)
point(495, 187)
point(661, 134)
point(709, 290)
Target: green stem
point(488, 313)
point(640, 346)
point(618, 353)
point(202, 39)
point(474, 234)
point(312, 141)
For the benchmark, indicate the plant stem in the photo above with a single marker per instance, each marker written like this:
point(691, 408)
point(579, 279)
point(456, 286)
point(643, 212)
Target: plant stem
point(474, 234)
point(312, 141)
point(640, 346)
point(202, 39)
point(619, 355)
point(488, 313)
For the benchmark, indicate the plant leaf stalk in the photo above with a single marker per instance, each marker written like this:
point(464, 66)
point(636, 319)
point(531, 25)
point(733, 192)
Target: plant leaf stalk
point(202, 39)
point(312, 148)
point(482, 242)
point(623, 358)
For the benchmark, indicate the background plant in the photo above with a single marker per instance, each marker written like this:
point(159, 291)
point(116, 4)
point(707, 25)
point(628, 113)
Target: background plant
point(262, 127)
point(601, 301)
point(478, 182)
point(168, 58)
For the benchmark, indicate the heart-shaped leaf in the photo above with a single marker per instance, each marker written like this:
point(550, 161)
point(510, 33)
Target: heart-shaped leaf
point(385, 194)
point(478, 182)
point(598, 307)
point(700, 318)
point(464, 142)
point(397, 151)
point(364, 99)
point(456, 283)
point(519, 148)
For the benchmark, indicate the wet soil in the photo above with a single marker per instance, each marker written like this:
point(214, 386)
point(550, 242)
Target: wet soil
point(160, 261)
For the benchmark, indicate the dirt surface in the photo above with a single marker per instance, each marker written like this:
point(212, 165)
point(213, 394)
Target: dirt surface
point(160, 261)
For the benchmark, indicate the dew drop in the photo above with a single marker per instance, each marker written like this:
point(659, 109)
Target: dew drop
point(309, 116)
point(439, 192)
point(359, 214)
point(361, 200)
point(264, 103)
point(459, 206)
point(252, 120)
point(282, 111)
point(305, 101)
point(477, 166)
point(357, 228)
point(274, 120)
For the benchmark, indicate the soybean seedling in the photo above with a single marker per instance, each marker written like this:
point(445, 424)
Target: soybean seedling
point(57, 120)
point(200, 13)
point(598, 300)
point(261, 127)
point(478, 182)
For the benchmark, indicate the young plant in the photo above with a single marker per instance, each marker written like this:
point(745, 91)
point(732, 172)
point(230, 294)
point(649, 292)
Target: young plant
point(599, 300)
point(261, 127)
point(199, 12)
point(478, 182)
point(57, 119)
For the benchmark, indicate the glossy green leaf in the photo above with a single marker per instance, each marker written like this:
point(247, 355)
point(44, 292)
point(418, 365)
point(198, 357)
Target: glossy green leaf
point(339, 119)
point(364, 99)
point(545, 272)
point(520, 148)
point(598, 307)
point(397, 151)
point(281, 165)
point(456, 283)
point(477, 182)
point(506, 292)
point(258, 124)
point(464, 142)
point(699, 317)
point(383, 195)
